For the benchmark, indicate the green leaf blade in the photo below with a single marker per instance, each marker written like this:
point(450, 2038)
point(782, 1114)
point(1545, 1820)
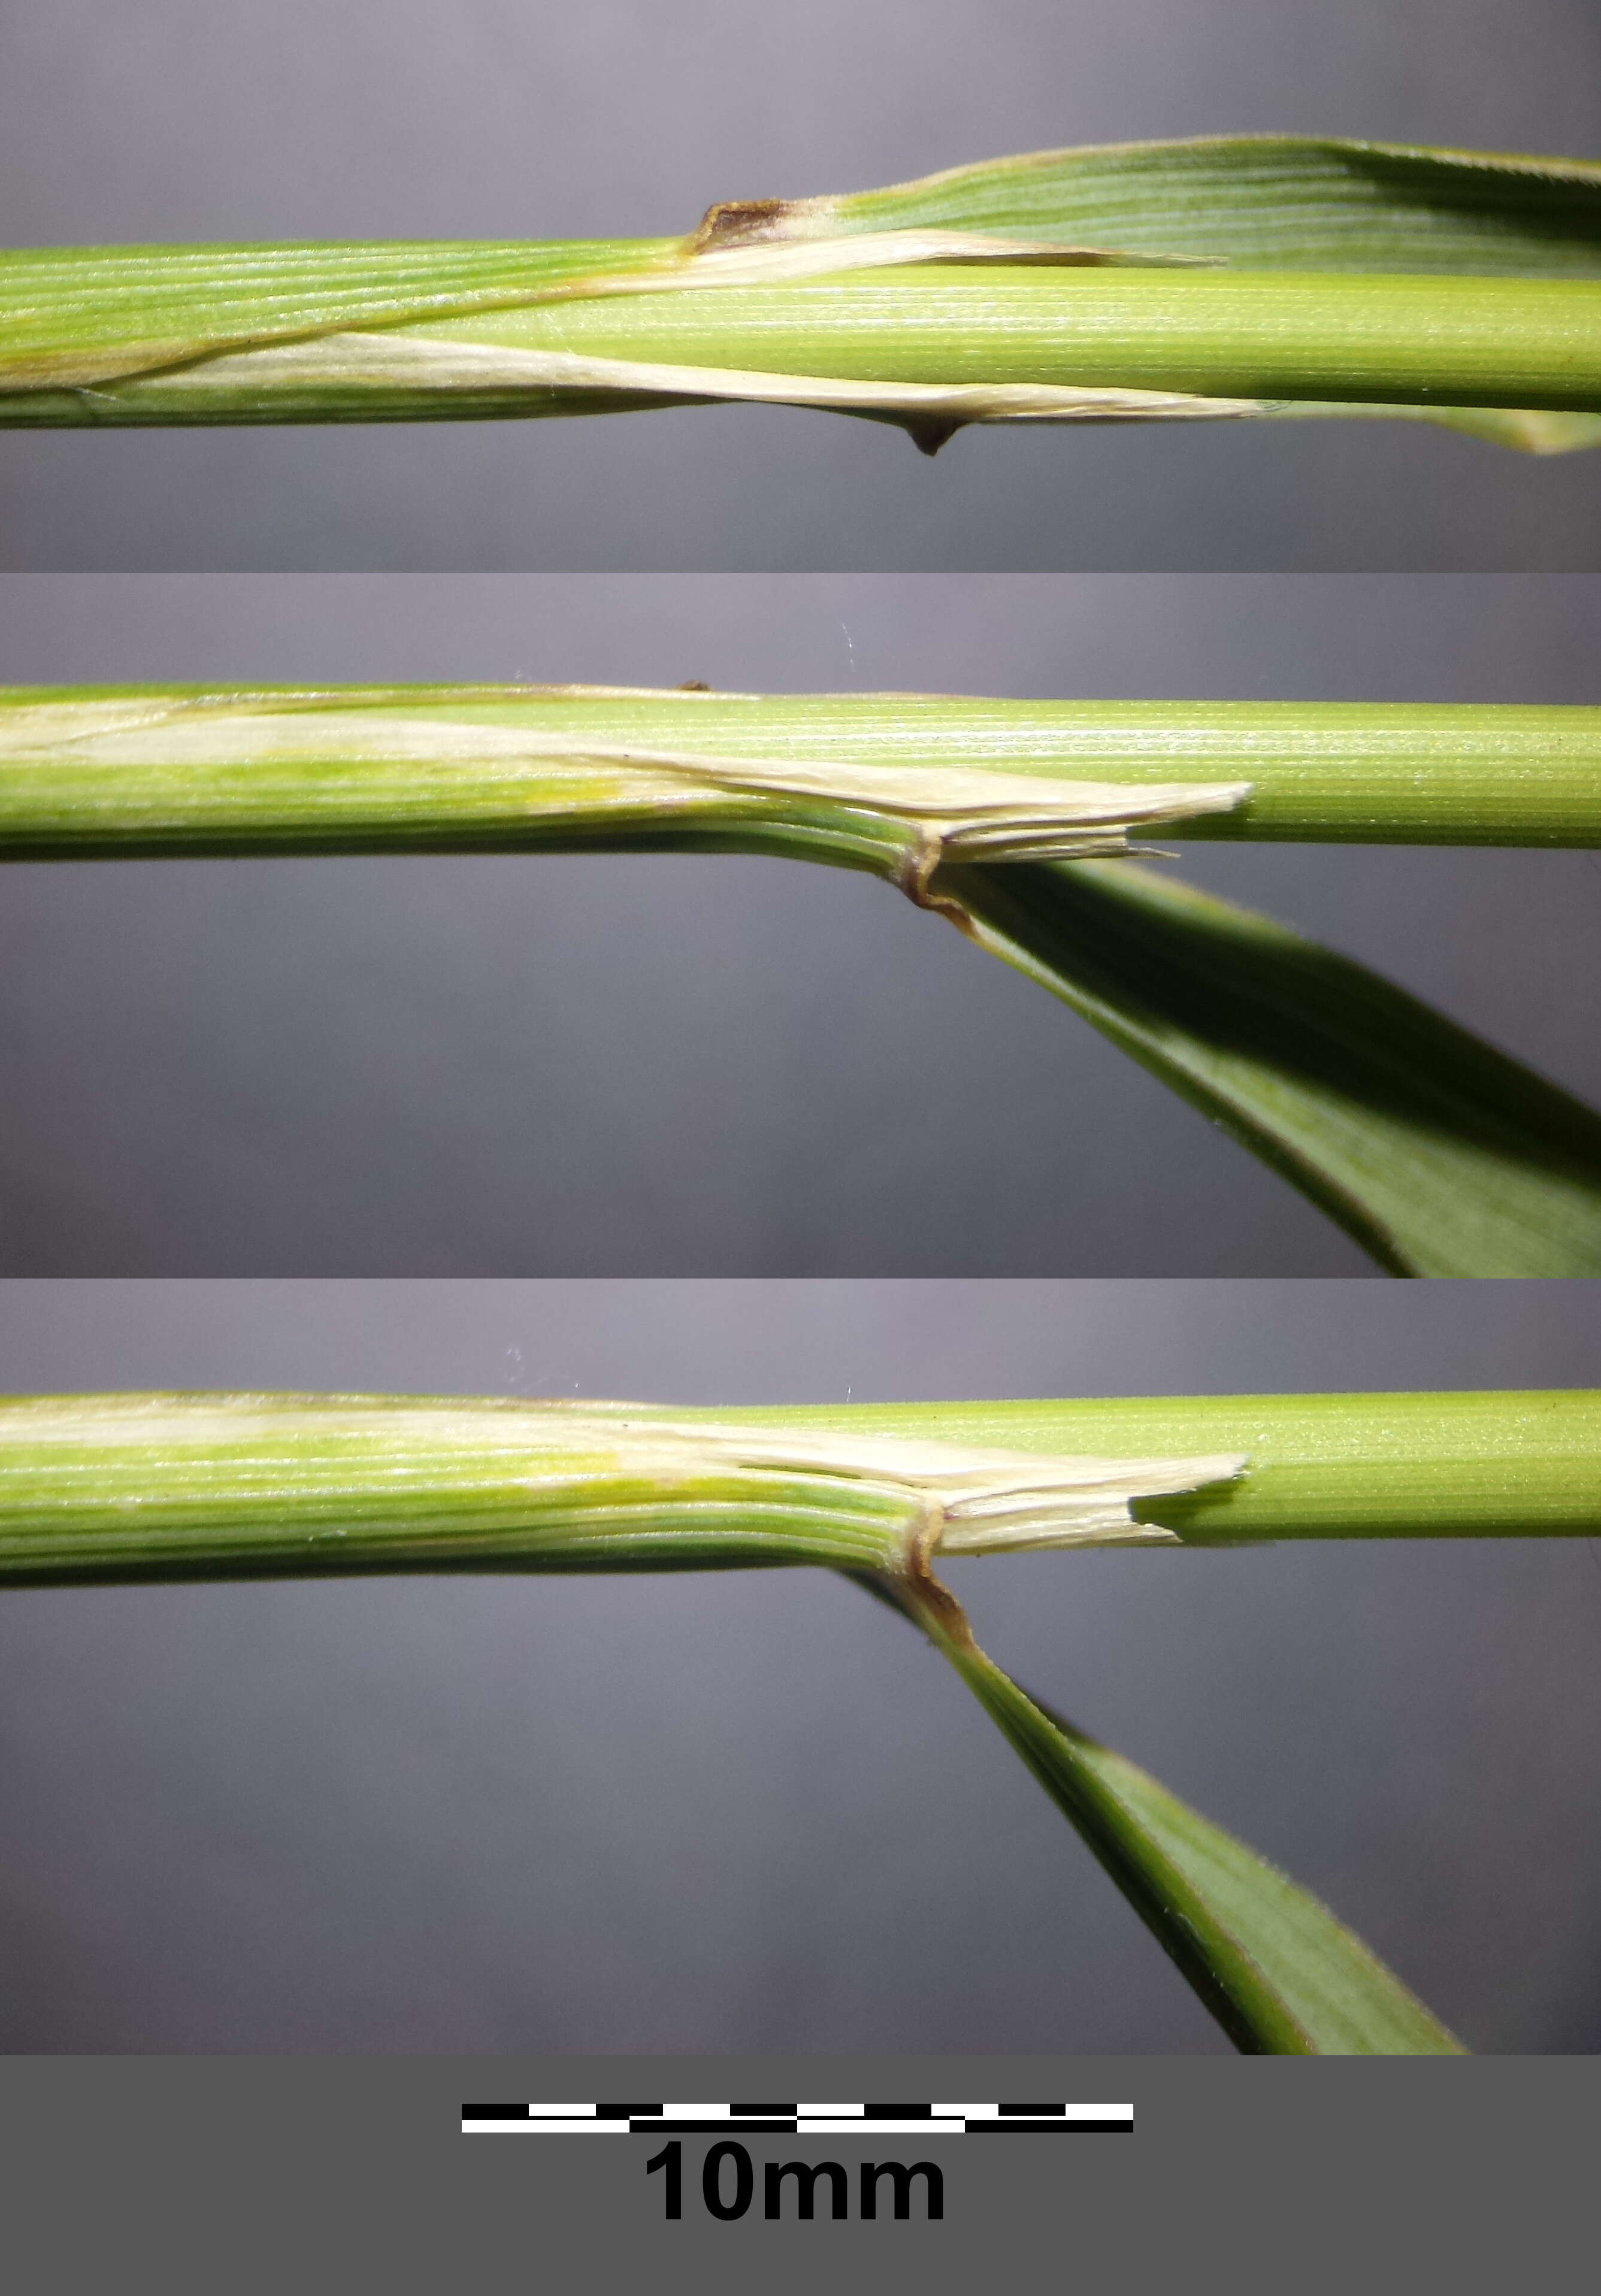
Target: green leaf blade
point(1440, 1156)
point(1272, 201)
point(1281, 1974)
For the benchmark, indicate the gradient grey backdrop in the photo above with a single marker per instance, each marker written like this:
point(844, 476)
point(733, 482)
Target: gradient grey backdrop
point(752, 1813)
point(203, 119)
point(635, 1065)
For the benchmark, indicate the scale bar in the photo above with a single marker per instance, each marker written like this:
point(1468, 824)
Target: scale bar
point(628, 2118)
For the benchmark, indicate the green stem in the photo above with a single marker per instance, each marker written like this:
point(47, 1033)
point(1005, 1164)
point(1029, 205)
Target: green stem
point(1373, 773)
point(96, 1487)
point(1463, 1466)
point(1246, 336)
point(1217, 333)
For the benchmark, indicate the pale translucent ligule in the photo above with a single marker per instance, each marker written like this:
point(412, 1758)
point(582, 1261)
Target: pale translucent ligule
point(780, 254)
point(960, 813)
point(975, 1501)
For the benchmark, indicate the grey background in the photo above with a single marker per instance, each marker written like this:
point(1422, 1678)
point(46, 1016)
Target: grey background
point(752, 1813)
point(696, 1066)
point(188, 120)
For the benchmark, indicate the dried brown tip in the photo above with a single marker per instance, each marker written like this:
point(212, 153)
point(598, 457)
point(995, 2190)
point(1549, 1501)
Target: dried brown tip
point(930, 434)
point(739, 223)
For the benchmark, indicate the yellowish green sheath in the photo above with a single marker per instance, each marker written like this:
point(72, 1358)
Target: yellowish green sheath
point(122, 1487)
point(1439, 1154)
point(120, 769)
point(1218, 279)
point(119, 1486)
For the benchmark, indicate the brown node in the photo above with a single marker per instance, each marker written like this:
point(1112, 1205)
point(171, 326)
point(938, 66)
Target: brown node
point(928, 1597)
point(915, 874)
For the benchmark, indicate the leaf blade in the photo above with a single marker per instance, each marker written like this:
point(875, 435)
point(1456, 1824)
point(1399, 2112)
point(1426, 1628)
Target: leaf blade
point(1440, 1156)
point(1271, 203)
point(1282, 1975)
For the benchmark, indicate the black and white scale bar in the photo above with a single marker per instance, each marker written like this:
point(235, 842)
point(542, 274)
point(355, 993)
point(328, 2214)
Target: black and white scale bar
point(634, 2118)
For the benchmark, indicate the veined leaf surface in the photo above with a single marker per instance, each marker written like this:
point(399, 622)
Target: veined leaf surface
point(1281, 1974)
point(1439, 1154)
